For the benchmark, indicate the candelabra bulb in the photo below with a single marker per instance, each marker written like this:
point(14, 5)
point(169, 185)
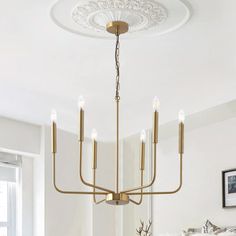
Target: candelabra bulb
point(81, 102)
point(181, 116)
point(53, 115)
point(94, 134)
point(156, 104)
point(143, 136)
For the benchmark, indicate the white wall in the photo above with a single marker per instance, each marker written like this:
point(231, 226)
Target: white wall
point(19, 137)
point(23, 139)
point(74, 215)
point(39, 190)
point(69, 215)
point(208, 151)
point(39, 197)
point(122, 220)
point(104, 215)
point(132, 214)
point(27, 196)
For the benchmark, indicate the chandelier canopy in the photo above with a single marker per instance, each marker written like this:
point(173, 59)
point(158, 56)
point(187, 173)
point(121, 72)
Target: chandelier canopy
point(118, 196)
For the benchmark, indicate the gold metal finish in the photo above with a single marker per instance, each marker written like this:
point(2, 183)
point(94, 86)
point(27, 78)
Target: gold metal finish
point(54, 137)
point(153, 178)
point(117, 199)
point(155, 127)
point(117, 27)
point(81, 125)
point(94, 155)
point(117, 146)
point(181, 138)
point(94, 190)
point(58, 189)
point(94, 173)
point(142, 158)
point(81, 174)
point(167, 192)
point(141, 194)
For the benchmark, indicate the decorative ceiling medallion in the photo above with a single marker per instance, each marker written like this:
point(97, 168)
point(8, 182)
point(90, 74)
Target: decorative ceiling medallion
point(139, 15)
point(90, 17)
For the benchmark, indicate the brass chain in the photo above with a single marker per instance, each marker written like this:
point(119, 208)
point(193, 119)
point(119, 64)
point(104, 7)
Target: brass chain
point(117, 55)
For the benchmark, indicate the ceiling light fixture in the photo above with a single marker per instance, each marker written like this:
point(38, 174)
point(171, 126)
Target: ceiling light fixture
point(118, 196)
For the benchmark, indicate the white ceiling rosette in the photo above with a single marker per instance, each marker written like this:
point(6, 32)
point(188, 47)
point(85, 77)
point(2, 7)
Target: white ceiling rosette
point(90, 17)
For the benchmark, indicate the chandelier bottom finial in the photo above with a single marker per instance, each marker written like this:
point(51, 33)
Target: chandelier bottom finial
point(117, 199)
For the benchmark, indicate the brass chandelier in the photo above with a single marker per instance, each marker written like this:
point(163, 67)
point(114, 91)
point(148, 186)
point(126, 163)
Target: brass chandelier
point(118, 196)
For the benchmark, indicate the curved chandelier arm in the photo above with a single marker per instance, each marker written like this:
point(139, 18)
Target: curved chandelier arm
point(167, 192)
point(94, 193)
point(98, 202)
point(68, 192)
point(136, 203)
point(154, 173)
point(81, 173)
point(141, 197)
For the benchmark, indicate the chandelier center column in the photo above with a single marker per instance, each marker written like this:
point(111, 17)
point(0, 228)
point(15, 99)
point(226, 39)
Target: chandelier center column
point(117, 99)
point(117, 146)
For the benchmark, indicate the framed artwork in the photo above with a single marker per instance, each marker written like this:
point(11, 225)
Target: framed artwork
point(229, 188)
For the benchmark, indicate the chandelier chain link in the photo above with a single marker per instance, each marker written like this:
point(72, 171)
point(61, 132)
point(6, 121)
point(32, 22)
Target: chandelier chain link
point(117, 57)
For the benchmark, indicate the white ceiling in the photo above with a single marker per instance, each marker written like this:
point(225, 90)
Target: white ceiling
point(44, 67)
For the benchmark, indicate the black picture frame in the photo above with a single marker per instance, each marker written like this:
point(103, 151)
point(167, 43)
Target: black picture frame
point(224, 183)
